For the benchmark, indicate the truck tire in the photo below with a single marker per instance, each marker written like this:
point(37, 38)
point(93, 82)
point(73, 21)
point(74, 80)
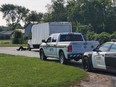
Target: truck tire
point(42, 55)
point(86, 64)
point(29, 48)
point(62, 58)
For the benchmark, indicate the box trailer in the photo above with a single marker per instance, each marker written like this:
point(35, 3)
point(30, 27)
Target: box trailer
point(43, 30)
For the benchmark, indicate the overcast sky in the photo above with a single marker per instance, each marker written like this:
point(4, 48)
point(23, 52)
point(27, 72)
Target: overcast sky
point(36, 5)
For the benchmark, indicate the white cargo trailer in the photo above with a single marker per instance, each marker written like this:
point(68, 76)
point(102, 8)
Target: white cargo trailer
point(43, 30)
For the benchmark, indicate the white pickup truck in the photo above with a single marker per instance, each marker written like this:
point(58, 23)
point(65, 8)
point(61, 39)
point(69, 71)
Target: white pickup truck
point(66, 46)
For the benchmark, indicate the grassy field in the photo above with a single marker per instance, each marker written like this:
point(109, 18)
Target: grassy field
point(19, 71)
point(7, 43)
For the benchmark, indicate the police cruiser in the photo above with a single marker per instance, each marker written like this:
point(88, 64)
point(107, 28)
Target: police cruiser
point(103, 58)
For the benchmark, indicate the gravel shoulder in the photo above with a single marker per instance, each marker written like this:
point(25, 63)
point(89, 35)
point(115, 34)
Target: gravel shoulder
point(94, 80)
point(97, 80)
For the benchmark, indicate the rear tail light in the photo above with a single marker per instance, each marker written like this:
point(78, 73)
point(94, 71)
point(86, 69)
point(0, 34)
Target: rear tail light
point(69, 48)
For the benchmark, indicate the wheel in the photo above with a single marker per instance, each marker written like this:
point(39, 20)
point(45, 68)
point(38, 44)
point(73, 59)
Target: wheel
point(86, 64)
point(29, 48)
point(62, 58)
point(42, 55)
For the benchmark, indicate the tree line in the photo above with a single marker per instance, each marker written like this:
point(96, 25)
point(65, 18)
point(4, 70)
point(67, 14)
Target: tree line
point(94, 18)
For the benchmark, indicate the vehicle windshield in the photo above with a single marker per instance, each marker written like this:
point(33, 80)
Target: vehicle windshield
point(113, 48)
point(71, 37)
point(105, 47)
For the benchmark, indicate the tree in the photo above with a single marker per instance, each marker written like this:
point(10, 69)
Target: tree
point(92, 12)
point(57, 11)
point(110, 22)
point(47, 17)
point(34, 17)
point(13, 14)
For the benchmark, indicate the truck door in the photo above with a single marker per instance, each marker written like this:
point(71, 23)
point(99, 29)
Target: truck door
point(98, 60)
point(51, 47)
point(54, 46)
point(47, 49)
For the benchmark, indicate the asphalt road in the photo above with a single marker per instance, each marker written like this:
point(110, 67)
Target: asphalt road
point(96, 79)
point(13, 51)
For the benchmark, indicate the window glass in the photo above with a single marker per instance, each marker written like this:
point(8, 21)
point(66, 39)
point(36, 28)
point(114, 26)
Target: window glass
point(71, 37)
point(49, 39)
point(105, 47)
point(54, 38)
point(113, 48)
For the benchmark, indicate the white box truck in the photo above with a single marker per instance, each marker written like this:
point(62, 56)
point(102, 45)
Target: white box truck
point(43, 30)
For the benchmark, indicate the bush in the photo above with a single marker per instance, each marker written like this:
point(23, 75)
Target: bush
point(103, 37)
point(113, 36)
point(90, 35)
point(4, 37)
point(17, 37)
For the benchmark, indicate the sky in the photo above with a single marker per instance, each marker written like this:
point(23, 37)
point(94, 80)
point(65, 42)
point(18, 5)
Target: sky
point(33, 5)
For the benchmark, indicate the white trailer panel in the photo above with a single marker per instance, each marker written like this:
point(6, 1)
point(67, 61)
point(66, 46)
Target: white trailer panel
point(39, 32)
point(59, 27)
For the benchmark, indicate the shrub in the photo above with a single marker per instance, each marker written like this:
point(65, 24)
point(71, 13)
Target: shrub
point(103, 37)
point(113, 36)
point(17, 37)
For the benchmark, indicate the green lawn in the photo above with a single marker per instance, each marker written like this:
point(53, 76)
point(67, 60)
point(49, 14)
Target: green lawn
point(7, 43)
point(19, 71)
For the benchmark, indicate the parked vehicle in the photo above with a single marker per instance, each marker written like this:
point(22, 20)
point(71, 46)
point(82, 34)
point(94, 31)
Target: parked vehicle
point(103, 58)
point(66, 46)
point(43, 30)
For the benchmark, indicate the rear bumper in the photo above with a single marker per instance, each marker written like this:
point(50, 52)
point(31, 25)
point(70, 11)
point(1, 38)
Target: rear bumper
point(36, 45)
point(75, 56)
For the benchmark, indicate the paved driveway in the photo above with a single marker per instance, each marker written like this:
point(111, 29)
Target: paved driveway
point(13, 51)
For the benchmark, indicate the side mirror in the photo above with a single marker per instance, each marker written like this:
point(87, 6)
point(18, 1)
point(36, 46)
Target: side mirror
point(97, 50)
point(44, 41)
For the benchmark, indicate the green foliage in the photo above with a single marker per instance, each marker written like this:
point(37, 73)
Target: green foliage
point(5, 42)
point(57, 11)
point(104, 37)
point(34, 17)
point(113, 36)
point(4, 37)
point(13, 14)
point(8, 43)
point(91, 35)
point(19, 71)
point(17, 37)
point(47, 17)
point(99, 14)
point(83, 28)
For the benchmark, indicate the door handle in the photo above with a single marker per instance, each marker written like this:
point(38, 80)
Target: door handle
point(102, 55)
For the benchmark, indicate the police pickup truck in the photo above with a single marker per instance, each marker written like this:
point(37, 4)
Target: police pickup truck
point(66, 46)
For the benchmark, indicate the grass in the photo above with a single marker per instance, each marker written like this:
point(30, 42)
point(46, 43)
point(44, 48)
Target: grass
point(7, 43)
point(19, 71)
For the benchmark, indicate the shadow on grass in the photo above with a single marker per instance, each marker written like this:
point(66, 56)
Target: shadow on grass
point(69, 63)
point(79, 65)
